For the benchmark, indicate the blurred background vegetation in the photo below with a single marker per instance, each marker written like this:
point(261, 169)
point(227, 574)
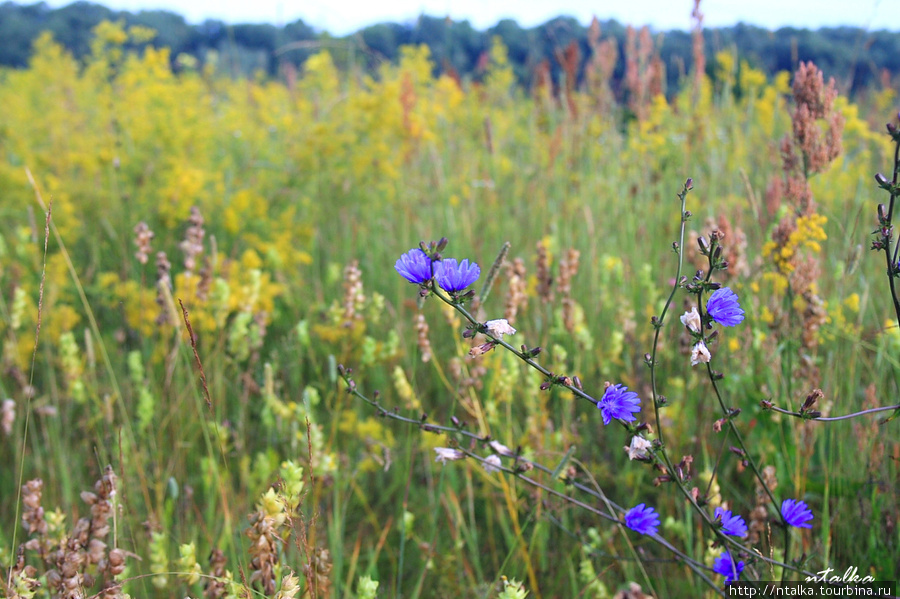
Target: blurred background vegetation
point(275, 205)
point(857, 58)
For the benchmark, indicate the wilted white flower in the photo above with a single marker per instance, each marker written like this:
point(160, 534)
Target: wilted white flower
point(700, 353)
point(498, 328)
point(445, 454)
point(491, 464)
point(500, 448)
point(692, 320)
point(638, 448)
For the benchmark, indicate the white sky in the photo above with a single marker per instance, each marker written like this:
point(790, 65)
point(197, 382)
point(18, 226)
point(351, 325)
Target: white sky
point(340, 17)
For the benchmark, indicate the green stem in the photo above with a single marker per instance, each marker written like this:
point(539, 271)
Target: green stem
point(740, 440)
point(833, 418)
point(652, 362)
point(892, 262)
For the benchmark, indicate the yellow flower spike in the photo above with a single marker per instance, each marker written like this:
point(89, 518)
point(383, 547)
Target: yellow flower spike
point(405, 390)
point(140, 34)
point(783, 82)
point(851, 302)
point(725, 63)
point(751, 78)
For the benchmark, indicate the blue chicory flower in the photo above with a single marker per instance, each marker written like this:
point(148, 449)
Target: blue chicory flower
point(796, 513)
point(414, 266)
point(731, 524)
point(642, 519)
point(724, 308)
point(619, 402)
point(453, 277)
point(727, 567)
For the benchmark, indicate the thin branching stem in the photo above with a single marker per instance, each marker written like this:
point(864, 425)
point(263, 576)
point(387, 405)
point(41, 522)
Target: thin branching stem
point(660, 455)
point(831, 418)
point(524, 356)
point(662, 317)
point(714, 377)
point(520, 466)
point(738, 437)
point(518, 470)
point(892, 261)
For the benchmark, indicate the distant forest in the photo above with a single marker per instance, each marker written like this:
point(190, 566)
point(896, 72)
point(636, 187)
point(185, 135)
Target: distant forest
point(857, 58)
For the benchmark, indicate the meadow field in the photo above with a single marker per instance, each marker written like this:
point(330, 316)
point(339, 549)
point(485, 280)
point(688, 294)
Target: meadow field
point(192, 264)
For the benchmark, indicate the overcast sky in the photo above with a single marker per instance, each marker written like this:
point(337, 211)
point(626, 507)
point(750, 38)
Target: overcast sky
point(345, 16)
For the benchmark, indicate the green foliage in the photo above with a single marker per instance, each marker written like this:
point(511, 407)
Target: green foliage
point(308, 194)
point(366, 588)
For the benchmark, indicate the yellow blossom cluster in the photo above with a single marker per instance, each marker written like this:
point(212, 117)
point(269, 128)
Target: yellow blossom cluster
point(810, 230)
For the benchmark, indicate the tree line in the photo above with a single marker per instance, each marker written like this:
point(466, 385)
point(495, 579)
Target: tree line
point(857, 58)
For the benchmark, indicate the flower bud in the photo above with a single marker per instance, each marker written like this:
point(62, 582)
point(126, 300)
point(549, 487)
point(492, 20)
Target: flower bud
point(704, 246)
point(524, 467)
point(737, 451)
point(482, 349)
point(811, 400)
